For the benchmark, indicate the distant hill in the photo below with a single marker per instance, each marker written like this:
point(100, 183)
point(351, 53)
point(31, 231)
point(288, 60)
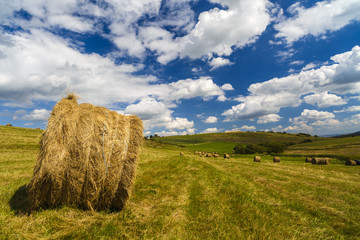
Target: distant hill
point(355, 134)
point(225, 142)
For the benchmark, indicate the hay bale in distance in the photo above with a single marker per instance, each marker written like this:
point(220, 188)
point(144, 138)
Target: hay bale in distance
point(226, 156)
point(276, 159)
point(216, 155)
point(257, 159)
point(308, 160)
point(87, 158)
point(320, 161)
point(8, 125)
point(350, 163)
point(182, 154)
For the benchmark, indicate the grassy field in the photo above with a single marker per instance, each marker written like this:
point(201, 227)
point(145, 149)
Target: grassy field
point(191, 197)
point(349, 146)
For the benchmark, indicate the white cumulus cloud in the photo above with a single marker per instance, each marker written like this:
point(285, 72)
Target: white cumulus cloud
point(269, 118)
point(210, 130)
point(219, 62)
point(269, 97)
point(211, 119)
point(218, 31)
point(323, 17)
point(35, 115)
point(324, 99)
point(316, 115)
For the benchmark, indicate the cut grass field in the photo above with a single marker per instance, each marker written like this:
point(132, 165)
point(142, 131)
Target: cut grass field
point(191, 197)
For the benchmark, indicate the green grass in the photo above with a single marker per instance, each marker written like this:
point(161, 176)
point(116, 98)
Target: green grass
point(349, 146)
point(236, 137)
point(191, 197)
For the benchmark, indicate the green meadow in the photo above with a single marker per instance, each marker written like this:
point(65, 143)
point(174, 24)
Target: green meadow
point(193, 197)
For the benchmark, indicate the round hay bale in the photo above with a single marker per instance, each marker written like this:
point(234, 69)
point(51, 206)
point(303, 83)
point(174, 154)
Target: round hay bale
point(208, 155)
point(226, 156)
point(257, 159)
point(87, 158)
point(350, 163)
point(320, 161)
point(8, 125)
point(308, 160)
point(182, 154)
point(276, 159)
point(216, 155)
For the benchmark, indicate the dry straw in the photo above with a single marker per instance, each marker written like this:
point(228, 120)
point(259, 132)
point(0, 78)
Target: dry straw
point(87, 158)
point(276, 159)
point(320, 161)
point(350, 163)
point(257, 159)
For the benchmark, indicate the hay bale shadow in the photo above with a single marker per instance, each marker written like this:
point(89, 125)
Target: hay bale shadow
point(19, 202)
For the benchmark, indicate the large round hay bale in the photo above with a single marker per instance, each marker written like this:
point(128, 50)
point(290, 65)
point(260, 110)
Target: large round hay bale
point(8, 125)
point(87, 158)
point(350, 163)
point(257, 159)
point(216, 155)
point(320, 161)
point(276, 159)
point(308, 160)
point(182, 154)
point(226, 156)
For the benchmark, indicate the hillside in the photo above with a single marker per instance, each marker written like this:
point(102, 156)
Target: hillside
point(191, 197)
point(225, 142)
point(355, 134)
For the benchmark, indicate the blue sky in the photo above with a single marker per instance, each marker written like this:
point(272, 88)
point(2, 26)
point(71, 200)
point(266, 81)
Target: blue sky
point(186, 66)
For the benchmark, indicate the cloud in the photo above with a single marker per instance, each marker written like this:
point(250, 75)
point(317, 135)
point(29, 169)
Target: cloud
point(316, 115)
point(227, 87)
point(161, 42)
point(299, 127)
point(349, 109)
point(44, 66)
point(269, 118)
point(185, 89)
point(323, 17)
point(211, 119)
point(219, 62)
point(324, 99)
point(309, 66)
point(157, 114)
point(211, 130)
point(327, 123)
point(168, 28)
point(35, 115)
point(243, 128)
point(298, 62)
point(248, 128)
point(218, 31)
point(269, 97)
point(163, 133)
